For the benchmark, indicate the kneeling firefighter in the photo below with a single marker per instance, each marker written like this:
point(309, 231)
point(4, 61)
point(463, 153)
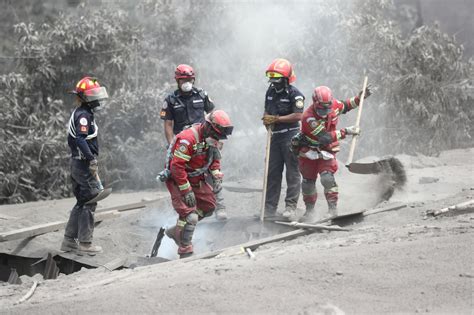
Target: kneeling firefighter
point(194, 154)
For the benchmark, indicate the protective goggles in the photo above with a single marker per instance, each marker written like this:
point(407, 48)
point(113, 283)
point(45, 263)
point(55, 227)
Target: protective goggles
point(271, 74)
point(222, 132)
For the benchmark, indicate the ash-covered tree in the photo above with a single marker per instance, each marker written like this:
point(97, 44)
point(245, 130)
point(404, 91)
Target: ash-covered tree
point(34, 104)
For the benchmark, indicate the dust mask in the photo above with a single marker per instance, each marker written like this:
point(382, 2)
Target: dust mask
point(187, 87)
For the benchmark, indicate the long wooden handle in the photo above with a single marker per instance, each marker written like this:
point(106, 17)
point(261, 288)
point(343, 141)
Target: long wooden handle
point(265, 179)
point(359, 114)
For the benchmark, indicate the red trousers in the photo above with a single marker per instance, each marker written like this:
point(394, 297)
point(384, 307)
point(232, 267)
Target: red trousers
point(309, 170)
point(205, 199)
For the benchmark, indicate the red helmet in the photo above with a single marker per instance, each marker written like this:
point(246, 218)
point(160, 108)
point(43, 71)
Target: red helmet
point(88, 89)
point(281, 68)
point(184, 72)
point(322, 100)
point(220, 123)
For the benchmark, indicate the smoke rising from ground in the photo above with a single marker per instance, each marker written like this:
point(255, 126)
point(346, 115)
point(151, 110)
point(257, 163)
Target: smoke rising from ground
point(231, 66)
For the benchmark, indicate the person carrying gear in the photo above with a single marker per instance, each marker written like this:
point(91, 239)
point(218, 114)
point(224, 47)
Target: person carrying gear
point(284, 105)
point(317, 144)
point(86, 185)
point(194, 156)
point(184, 107)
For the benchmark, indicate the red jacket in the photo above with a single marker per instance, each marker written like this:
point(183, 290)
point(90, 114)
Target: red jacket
point(321, 132)
point(189, 154)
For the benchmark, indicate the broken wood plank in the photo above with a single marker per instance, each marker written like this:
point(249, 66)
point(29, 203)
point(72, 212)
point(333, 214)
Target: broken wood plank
point(252, 244)
point(49, 227)
point(116, 263)
point(460, 206)
point(313, 226)
point(132, 206)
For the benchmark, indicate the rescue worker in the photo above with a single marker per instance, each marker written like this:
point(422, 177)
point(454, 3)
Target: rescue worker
point(186, 106)
point(317, 144)
point(86, 185)
point(284, 105)
point(194, 155)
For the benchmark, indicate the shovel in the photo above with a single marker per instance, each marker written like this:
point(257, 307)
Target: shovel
point(390, 165)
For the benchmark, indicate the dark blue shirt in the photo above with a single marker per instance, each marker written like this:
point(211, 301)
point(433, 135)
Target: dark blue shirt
point(186, 109)
point(82, 134)
point(289, 101)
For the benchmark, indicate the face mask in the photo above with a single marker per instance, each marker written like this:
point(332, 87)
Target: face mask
point(187, 87)
point(278, 84)
point(323, 112)
point(96, 109)
point(95, 106)
point(214, 143)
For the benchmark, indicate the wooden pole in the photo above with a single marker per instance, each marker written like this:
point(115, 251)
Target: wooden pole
point(359, 114)
point(265, 176)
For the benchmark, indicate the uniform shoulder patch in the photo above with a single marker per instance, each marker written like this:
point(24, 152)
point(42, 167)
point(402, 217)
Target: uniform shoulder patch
point(83, 121)
point(299, 103)
point(183, 148)
point(165, 105)
point(313, 124)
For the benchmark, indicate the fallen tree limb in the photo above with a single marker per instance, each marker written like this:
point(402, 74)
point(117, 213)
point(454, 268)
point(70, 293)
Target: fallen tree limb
point(50, 227)
point(384, 209)
point(458, 207)
point(7, 217)
point(28, 294)
point(313, 226)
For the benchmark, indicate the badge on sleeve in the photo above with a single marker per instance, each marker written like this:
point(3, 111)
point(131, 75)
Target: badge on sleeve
point(183, 148)
point(164, 106)
point(84, 124)
point(299, 104)
point(313, 124)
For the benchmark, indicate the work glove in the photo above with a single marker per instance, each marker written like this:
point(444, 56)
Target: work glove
point(269, 119)
point(94, 167)
point(352, 130)
point(189, 199)
point(368, 92)
point(217, 184)
point(295, 143)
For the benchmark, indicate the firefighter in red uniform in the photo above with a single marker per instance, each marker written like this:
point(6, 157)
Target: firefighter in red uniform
point(195, 153)
point(317, 144)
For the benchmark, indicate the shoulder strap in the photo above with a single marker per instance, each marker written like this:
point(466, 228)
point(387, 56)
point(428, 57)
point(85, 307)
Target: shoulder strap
point(196, 134)
point(201, 93)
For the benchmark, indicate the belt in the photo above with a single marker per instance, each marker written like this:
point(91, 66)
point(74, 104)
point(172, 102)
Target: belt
point(77, 158)
point(286, 130)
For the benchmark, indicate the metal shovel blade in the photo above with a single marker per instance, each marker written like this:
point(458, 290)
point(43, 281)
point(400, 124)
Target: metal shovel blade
point(391, 165)
point(365, 168)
